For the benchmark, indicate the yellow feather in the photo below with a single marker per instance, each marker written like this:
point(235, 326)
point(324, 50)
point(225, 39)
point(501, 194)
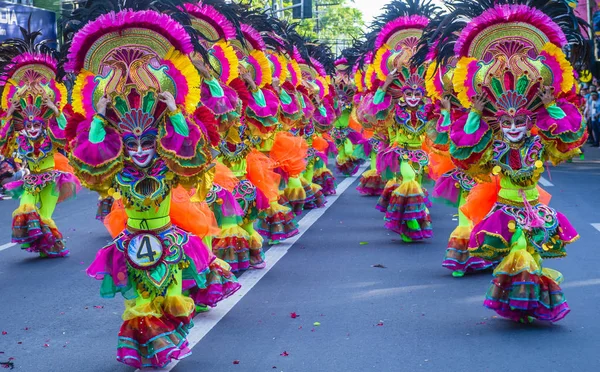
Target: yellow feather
point(185, 66)
point(459, 80)
point(77, 101)
point(378, 61)
point(565, 66)
point(234, 62)
point(432, 92)
point(265, 67)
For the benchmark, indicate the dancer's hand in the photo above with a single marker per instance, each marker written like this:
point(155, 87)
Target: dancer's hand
point(276, 86)
point(168, 99)
point(479, 102)
point(546, 94)
point(14, 103)
point(203, 69)
point(445, 103)
point(48, 103)
point(102, 105)
point(389, 79)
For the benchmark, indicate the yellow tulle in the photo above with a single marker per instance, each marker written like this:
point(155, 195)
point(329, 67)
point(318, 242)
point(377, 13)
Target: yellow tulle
point(516, 262)
point(234, 231)
point(150, 308)
point(553, 274)
point(23, 209)
point(178, 305)
point(461, 232)
point(222, 264)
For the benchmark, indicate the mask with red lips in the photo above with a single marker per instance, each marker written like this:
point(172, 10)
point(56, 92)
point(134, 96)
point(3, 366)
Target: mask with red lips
point(139, 137)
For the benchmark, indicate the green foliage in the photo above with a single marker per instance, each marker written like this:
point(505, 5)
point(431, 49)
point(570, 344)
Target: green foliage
point(341, 21)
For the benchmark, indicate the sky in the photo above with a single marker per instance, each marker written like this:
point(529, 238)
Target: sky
point(372, 8)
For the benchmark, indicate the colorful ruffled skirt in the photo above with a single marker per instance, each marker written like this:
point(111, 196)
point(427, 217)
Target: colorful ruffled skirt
point(521, 288)
point(253, 204)
point(348, 165)
point(314, 196)
point(458, 258)
point(30, 228)
point(371, 183)
point(452, 187)
point(384, 200)
point(278, 224)
point(232, 245)
point(324, 178)
point(151, 269)
point(407, 213)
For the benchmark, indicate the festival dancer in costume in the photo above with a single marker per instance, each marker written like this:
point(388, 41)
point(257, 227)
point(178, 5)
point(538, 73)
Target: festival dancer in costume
point(220, 101)
point(515, 80)
point(315, 77)
point(350, 95)
point(346, 137)
point(133, 138)
point(33, 125)
point(371, 182)
point(400, 104)
point(452, 183)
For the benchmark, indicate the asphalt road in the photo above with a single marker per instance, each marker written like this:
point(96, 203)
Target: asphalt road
point(411, 315)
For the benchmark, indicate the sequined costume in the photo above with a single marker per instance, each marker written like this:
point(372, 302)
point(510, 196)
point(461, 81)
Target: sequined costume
point(134, 138)
point(514, 85)
point(397, 105)
point(33, 126)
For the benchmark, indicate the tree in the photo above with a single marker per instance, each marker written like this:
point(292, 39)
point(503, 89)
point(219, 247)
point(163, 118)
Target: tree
point(335, 22)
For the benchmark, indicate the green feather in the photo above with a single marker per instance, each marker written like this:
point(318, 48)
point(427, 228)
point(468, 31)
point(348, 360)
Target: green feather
point(522, 84)
point(497, 86)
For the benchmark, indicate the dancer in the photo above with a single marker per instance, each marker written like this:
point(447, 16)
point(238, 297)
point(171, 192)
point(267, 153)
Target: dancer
point(400, 106)
point(133, 138)
point(452, 184)
point(33, 125)
point(515, 81)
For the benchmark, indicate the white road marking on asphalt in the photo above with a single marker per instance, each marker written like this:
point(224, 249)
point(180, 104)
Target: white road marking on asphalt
point(545, 182)
point(596, 226)
point(6, 246)
point(383, 292)
point(207, 321)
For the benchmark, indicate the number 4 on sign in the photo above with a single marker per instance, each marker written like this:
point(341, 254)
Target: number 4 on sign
point(147, 246)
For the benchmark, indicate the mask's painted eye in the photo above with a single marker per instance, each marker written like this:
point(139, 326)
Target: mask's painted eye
point(147, 144)
point(131, 145)
point(520, 122)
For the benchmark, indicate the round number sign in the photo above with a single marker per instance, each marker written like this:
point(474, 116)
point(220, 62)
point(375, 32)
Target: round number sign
point(144, 250)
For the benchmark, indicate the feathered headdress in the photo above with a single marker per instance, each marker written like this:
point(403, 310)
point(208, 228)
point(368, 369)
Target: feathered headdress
point(397, 41)
point(508, 51)
point(216, 30)
point(29, 72)
point(131, 56)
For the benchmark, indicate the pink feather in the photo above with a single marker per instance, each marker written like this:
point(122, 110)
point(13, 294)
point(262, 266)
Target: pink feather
point(502, 14)
point(401, 23)
point(117, 22)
